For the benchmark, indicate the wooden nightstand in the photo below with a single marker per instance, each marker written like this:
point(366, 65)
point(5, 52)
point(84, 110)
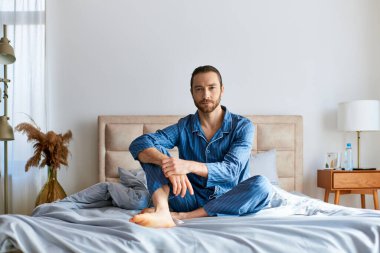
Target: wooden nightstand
point(350, 182)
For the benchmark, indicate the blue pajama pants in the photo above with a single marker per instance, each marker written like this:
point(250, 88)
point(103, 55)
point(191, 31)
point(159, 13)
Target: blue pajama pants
point(248, 197)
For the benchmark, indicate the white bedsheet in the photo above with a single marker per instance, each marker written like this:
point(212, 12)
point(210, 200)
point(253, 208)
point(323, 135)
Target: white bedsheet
point(286, 204)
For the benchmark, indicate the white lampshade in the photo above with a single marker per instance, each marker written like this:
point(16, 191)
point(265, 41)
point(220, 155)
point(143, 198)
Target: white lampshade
point(360, 115)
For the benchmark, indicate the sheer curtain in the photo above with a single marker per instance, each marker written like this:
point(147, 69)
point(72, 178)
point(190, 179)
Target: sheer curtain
point(27, 96)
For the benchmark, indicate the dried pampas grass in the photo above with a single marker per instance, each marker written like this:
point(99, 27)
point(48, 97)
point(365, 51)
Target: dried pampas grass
point(49, 147)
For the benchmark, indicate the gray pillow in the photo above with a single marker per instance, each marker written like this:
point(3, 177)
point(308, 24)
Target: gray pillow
point(132, 192)
point(264, 164)
point(132, 178)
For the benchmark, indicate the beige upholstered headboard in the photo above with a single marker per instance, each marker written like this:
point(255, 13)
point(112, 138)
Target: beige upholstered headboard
point(284, 133)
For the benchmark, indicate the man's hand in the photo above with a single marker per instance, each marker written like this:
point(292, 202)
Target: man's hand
point(180, 184)
point(175, 166)
point(175, 170)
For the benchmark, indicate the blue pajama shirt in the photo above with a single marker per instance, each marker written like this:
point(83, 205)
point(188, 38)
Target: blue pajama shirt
point(227, 190)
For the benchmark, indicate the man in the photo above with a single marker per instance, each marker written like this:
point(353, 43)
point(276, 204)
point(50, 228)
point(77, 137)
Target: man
point(211, 175)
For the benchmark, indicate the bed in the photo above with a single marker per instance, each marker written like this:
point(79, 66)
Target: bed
point(95, 220)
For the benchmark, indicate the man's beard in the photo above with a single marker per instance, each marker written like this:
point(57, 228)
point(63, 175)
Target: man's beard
point(208, 106)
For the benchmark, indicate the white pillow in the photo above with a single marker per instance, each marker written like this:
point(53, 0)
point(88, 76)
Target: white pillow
point(264, 164)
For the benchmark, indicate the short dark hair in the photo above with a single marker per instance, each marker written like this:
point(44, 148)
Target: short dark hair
point(205, 69)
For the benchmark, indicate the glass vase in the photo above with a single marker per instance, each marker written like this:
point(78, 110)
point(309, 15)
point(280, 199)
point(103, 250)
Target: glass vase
point(52, 190)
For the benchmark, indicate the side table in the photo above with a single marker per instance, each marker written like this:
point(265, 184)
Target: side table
point(350, 182)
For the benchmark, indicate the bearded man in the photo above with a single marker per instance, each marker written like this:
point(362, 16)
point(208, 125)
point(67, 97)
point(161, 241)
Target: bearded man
point(211, 176)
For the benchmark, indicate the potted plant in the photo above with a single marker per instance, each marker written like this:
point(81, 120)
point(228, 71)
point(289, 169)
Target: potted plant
point(51, 150)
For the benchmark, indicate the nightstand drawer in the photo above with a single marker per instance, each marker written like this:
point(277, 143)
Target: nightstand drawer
point(352, 180)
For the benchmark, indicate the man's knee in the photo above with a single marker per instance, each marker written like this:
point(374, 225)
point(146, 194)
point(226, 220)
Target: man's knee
point(150, 168)
point(259, 183)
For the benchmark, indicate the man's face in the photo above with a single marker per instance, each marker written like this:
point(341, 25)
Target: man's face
point(206, 91)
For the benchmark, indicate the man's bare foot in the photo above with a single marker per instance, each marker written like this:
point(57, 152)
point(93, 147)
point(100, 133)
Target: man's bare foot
point(175, 215)
point(200, 212)
point(158, 219)
point(178, 215)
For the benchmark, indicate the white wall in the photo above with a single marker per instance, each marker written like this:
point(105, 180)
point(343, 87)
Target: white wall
point(276, 57)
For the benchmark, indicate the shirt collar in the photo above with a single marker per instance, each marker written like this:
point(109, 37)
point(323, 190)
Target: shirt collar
point(226, 125)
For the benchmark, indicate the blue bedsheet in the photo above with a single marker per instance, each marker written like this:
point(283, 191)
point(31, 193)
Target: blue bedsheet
point(89, 221)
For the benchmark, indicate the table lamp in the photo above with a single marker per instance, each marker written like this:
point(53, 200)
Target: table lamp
point(7, 56)
point(358, 116)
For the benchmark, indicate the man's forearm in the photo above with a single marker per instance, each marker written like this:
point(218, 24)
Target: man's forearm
point(199, 169)
point(151, 155)
point(176, 166)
